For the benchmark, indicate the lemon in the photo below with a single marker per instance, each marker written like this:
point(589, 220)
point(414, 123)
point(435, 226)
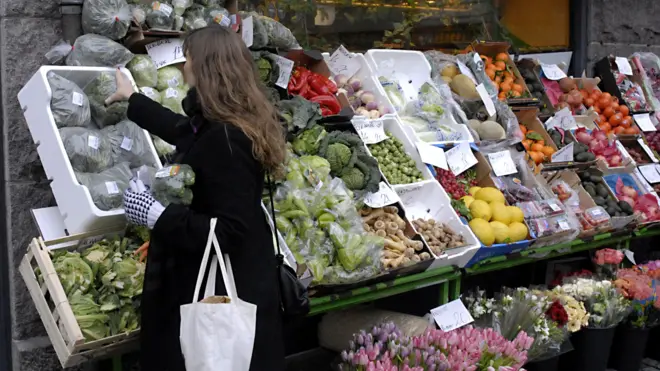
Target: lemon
point(483, 231)
point(489, 194)
point(501, 232)
point(516, 214)
point(467, 200)
point(500, 213)
point(480, 209)
point(473, 190)
point(517, 231)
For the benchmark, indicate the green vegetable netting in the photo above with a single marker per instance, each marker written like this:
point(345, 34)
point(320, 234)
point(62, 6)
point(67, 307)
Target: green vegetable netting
point(107, 187)
point(68, 104)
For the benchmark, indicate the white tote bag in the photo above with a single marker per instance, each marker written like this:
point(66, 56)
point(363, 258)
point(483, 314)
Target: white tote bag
point(217, 336)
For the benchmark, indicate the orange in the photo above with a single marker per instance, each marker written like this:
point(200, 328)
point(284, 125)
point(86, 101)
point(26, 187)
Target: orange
point(487, 60)
point(537, 157)
point(548, 151)
point(537, 147)
point(500, 66)
point(491, 73)
point(609, 112)
point(505, 87)
point(517, 87)
point(501, 96)
point(515, 94)
point(502, 57)
point(523, 128)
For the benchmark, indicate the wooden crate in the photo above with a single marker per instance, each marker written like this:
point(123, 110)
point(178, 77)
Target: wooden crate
point(53, 306)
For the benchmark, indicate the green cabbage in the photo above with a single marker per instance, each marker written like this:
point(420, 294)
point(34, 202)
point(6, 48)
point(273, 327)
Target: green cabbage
point(152, 93)
point(144, 71)
point(74, 273)
point(169, 77)
point(172, 97)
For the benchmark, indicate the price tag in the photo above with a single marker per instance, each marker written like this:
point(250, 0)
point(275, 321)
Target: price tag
point(465, 70)
point(502, 163)
point(93, 141)
point(646, 149)
point(112, 188)
point(644, 122)
point(452, 315)
point(286, 66)
point(385, 196)
point(77, 99)
point(126, 143)
point(460, 158)
point(168, 171)
point(171, 93)
point(563, 119)
point(554, 206)
point(563, 225)
point(490, 106)
point(341, 62)
point(371, 132)
point(432, 155)
point(564, 155)
point(552, 72)
point(166, 51)
point(651, 173)
point(630, 255)
point(162, 7)
point(623, 65)
point(247, 31)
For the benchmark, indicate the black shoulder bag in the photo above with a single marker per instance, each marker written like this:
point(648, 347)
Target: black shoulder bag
point(293, 295)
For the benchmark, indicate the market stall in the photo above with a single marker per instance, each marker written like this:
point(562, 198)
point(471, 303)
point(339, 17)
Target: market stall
point(405, 169)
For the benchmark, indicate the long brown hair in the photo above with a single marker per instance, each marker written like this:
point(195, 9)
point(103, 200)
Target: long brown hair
point(230, 91)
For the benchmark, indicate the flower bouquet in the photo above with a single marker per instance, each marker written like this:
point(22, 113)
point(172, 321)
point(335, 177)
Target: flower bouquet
point(607, 261)
point(639, 288)
point(577, 314)
point(605, 305)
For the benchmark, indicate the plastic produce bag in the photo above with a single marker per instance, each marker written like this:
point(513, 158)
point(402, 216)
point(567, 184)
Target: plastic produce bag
point(279, 36)
point(210, 2)
point(89, 151)
point(109, 18)
point(98, 91)
point(68, 103)
point(144, 70)
point(337, 328)
point(129, 144)
point(160, 16)
point(178, 23)
point(479, 71)
point(58, 53)
point(139, 12)
point(260, 36)
point(151, 93)
point(163, 148)
point(98, 51)
point(171, 98)
point(651, 83)
point(172, 184)
point(169, 77)
point(194, 18)
point(218, 16)
point(180, 6)
point(107, 187)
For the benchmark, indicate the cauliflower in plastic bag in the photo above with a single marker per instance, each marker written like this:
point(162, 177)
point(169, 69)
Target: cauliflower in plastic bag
point(172, 97)
point(98, 51)
point(169, 77)
point(144, 70)
point(194, 18)
point(180, 6)
point(129, 144)
point(139, 12)
point(160, 16)
point(278, 35)
point(163, 148)
point(151, 93)
point(98, 91)
point(210, 2)
point(260, 36)
point(218, 15)
point(107, 187)
point(109, 18)
point(90, 151)
point(172, 184)
point(68, 103)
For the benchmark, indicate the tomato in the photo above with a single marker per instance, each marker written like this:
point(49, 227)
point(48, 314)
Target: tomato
point(588, 102)
point(627, 122)
point(608, 112)
point(599, 119)
point(604, 102)
point(618, 130)
point(596, 109)
point(585, 94)
point(595, 95)
point(606, 95)
point(625, 111)
point(615, 106)
point(605, 126)
point(616, 119)
point(602, 118)
point(631, 131)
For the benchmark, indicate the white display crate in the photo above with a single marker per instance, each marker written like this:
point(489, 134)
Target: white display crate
point(427, 200)
point(74, 200)
point(410, 68)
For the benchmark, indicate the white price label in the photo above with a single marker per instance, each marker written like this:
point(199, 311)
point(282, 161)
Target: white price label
point(385, 196)
point(452, 315)
point(126, 143)
point(77, 99)
point(465, 70)
point(554, 206)
point(502, 163)
point(93, 141)
point(460, 158)
point(564, 155)
point(630, 255)
point(552, 72)
point(164, 8)
point(286, 66)
point(623, 65)
point(651, 173)
point(166, 51)
point(112, 188)
point(563, 119)
point(488, 103)
point(371, 132)
point(432, 155)
point(597, 212)
point(341, 62)
point(173, 83)
point(563, 225)
point(171, 93)
point(644, 122)
point(647, 149)
point(247, 31)
point(168, 171)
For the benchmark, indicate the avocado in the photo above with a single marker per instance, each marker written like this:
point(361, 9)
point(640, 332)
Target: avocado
point(596, 179)
point(611, 211)
point(589, 156)
point(612, 203)
point(599, 200)
point(602, 191)
point(581, 157)
point(625, 207)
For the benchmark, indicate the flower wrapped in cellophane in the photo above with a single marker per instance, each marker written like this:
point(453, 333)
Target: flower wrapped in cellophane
point(606, 306)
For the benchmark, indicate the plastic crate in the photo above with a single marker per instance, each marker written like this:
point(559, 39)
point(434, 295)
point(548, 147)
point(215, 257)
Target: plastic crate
point(74, 200)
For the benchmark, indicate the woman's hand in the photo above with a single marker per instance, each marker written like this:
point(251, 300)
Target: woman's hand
point(142, 251)
point(124, 89)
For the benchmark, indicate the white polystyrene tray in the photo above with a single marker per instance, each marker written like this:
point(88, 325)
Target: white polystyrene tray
point(369, 82)
point(73, 200)
point(449, 122)
point(427, 200)
point(410, 68)
point(391, 124)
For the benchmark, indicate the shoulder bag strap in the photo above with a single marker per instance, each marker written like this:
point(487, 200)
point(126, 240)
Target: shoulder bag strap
point(279, 256)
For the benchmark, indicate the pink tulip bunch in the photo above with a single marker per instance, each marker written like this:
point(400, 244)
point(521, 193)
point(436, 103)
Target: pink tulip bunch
point(608, 256)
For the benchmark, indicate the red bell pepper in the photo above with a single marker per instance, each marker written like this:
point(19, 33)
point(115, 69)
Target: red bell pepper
point(317, 83)
point(326, 112)
point(301, 80)
point(331, 85)
point(328, 101)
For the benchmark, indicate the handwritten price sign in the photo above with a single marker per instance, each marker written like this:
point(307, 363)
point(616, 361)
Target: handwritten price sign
point(166, 52)
point(452, 315)
point(502, 163)
point(286, 66)
point(341, 62)
point(385, 196)
point(371, 132)
point(460, 158)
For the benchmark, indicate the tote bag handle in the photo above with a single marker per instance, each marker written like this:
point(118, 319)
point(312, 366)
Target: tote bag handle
point(227, 274)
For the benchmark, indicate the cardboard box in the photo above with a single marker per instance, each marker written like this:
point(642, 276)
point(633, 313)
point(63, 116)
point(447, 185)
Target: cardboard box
point(532, 66)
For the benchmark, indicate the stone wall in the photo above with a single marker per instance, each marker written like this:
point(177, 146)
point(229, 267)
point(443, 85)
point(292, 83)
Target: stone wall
point(622, 28)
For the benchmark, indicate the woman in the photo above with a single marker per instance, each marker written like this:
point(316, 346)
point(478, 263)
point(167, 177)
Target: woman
point(230, 138)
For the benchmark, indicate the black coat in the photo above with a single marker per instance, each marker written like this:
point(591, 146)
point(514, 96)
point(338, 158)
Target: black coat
point(228, 186)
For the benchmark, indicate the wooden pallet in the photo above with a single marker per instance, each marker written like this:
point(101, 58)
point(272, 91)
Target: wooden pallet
point(55, 312)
